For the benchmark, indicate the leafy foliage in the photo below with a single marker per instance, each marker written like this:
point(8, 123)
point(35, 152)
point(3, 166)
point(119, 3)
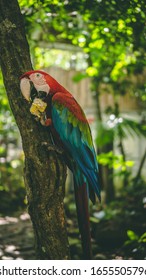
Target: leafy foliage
point(111, 33)
point(114, 161)
point(106, 40)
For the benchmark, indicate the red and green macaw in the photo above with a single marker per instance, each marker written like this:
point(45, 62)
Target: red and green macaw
point(57, 108)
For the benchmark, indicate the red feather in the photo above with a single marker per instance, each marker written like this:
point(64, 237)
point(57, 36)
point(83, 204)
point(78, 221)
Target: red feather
point(70, 103)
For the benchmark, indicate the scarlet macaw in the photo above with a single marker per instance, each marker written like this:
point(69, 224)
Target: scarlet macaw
point(57, 108)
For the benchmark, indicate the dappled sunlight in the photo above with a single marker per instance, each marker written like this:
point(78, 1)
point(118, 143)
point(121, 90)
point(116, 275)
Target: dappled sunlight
point(16, 238)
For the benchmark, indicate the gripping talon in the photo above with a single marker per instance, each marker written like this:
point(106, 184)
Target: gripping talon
point(48, 122)
point(50, 147)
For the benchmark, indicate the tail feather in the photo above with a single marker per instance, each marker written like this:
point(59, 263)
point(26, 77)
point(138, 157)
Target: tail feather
point(81, 198)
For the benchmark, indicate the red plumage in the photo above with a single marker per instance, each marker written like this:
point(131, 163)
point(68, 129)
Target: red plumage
point(70, 103)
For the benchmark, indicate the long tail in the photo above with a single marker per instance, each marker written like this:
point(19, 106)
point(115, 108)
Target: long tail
point(81, 198)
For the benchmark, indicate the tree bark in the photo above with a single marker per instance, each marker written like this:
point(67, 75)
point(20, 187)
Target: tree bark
point(45, 172)
point(138, 175)
point(106, 173)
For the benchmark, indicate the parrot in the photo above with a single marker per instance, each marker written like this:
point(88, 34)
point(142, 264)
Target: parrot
point(55, 107)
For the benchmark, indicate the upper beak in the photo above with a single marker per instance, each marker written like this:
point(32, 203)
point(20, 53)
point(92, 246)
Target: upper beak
point(25, 87)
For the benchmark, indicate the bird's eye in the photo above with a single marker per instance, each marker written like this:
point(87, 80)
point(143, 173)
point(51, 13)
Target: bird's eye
point(38, 75)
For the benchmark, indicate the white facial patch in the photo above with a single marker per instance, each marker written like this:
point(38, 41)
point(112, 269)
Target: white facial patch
point(44, 88)
point(39, 82)
point(25, 88)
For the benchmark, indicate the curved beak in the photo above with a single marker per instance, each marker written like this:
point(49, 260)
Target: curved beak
point(25, 87)
point(30, 92)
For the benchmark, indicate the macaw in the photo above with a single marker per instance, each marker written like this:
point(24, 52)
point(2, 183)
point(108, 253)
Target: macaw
point(55, 107)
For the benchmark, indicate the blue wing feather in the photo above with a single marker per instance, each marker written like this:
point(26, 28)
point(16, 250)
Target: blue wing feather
point(77, 146)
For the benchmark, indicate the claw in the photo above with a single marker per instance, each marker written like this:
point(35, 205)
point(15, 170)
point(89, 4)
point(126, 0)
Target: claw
point(50, 147)
point(48, 122)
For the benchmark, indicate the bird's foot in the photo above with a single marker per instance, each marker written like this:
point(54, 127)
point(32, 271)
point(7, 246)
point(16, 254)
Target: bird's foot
point(48, 122)
point(51, 147)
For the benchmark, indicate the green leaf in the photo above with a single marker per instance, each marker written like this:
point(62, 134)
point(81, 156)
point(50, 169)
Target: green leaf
point(143, 238)
point(73, 241)
point(79, 76)
point(94, 220)
point(92, 71)
point(132, 235)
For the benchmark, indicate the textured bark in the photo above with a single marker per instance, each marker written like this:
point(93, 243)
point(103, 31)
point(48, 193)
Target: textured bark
point(45, 172)
point(138, 175)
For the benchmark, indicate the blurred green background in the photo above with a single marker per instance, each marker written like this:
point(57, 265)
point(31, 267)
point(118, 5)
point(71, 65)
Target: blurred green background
point(96, 49)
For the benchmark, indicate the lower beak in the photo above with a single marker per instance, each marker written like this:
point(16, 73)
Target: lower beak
point(33, 92)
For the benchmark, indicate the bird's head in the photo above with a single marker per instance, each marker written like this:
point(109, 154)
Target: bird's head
point(38, 84)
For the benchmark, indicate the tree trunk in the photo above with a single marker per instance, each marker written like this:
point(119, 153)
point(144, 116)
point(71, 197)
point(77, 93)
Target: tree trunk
point(45, 172)
point(138, 175)
point(106, 173)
